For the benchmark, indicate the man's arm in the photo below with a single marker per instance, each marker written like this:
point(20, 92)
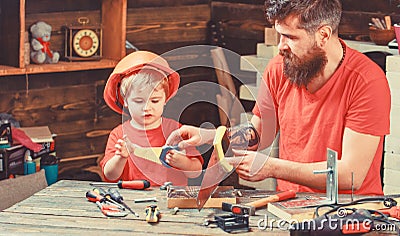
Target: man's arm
point(358, 152)
point(267, 134)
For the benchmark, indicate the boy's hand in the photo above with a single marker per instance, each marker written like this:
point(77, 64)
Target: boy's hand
point(124, 147)
point(177, 159)
point(121, 149)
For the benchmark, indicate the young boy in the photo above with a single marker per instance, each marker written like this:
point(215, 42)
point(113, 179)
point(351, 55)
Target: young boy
point(138, 88)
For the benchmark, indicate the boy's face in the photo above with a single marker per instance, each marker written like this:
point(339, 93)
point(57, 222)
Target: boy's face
point(146, 107)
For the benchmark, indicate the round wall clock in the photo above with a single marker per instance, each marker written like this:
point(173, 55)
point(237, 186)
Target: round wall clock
point(85, 43)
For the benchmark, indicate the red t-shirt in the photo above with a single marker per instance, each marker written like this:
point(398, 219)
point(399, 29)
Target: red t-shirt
point(357, 96)
point(139, 168)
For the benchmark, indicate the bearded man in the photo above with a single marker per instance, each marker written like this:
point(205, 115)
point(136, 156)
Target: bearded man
point(317, 93)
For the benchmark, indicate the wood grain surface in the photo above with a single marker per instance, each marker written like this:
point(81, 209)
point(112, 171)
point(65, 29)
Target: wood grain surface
point(62, 208)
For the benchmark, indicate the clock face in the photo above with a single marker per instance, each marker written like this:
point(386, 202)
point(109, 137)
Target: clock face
point(85, 43)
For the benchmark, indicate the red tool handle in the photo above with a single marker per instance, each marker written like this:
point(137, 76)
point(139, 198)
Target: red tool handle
point(392, 212)
point(94, 196)
point(274, 198)
point(133, 184)
point(286, 195)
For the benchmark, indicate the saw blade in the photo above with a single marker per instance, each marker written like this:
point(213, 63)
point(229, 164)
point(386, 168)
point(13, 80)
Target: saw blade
point(217, 170)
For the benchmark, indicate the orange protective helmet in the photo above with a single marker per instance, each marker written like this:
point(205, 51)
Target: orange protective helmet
point(132, 64)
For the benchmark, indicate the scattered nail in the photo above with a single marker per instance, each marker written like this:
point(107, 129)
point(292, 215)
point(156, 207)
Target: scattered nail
point(151, 199)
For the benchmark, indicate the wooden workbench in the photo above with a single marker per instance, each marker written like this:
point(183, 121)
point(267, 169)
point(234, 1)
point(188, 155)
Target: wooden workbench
point(62, 208)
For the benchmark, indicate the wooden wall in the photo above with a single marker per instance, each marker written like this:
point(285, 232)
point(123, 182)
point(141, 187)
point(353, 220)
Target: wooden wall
point(241, 23)
point(71, 103)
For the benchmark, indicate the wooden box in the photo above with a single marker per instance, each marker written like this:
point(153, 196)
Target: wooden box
point(185, 197)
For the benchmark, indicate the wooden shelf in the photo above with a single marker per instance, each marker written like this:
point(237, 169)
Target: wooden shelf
point(59, 67)
point(18, 15)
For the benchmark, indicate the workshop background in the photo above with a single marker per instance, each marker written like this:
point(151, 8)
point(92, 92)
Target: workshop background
point(70, 101)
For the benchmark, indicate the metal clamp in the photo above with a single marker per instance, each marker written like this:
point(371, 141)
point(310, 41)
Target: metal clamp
point(331, 177)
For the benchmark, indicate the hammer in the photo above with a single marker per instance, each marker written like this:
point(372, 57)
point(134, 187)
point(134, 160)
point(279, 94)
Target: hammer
point(250, 208)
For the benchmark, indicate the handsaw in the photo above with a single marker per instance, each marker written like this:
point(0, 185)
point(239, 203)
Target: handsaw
point(154, 154)
point(217, 170)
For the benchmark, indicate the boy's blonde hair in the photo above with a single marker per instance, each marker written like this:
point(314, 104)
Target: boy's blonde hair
point(143, 80)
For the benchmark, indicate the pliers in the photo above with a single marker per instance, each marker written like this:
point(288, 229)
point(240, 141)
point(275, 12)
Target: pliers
point(111, 210)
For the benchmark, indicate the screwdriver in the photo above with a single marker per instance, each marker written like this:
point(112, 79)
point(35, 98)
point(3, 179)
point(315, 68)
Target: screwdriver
point(94, 197)
point(116, 196)
point(132, 184)
point(107, 195)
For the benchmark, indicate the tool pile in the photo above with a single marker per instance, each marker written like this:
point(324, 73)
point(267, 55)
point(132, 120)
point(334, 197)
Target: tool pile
point(106, 204)
point(382, 24)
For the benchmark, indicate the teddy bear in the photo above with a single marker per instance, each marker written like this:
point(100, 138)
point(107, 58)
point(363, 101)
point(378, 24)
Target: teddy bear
point(40, 44)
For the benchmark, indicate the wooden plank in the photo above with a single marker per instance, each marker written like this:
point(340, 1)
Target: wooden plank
point(368, 5)
point(161, 47)
point(65, 98)
point(233, 11)
point(171, 24)
point(250, 26)
point(78, 144)
point(47, 6)
point(146, 3)
point(34, 117)
point(25, 82)
point(70, 165)
point(114, 34)
point(244, 29)
point(259, 2)
point(171, 32)
point(168, 14)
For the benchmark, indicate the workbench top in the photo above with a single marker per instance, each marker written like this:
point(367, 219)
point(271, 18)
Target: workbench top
point(62, 208)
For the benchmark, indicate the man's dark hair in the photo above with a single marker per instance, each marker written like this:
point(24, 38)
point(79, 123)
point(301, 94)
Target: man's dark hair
point(312, 14)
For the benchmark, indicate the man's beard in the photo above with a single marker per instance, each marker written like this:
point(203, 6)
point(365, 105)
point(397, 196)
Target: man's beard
point(301, 71)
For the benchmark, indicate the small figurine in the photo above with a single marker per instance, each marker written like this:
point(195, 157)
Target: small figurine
point(40, 44)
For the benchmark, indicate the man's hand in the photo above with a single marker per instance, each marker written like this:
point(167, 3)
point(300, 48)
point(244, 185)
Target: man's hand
point(187, 136)
point(253, 165)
